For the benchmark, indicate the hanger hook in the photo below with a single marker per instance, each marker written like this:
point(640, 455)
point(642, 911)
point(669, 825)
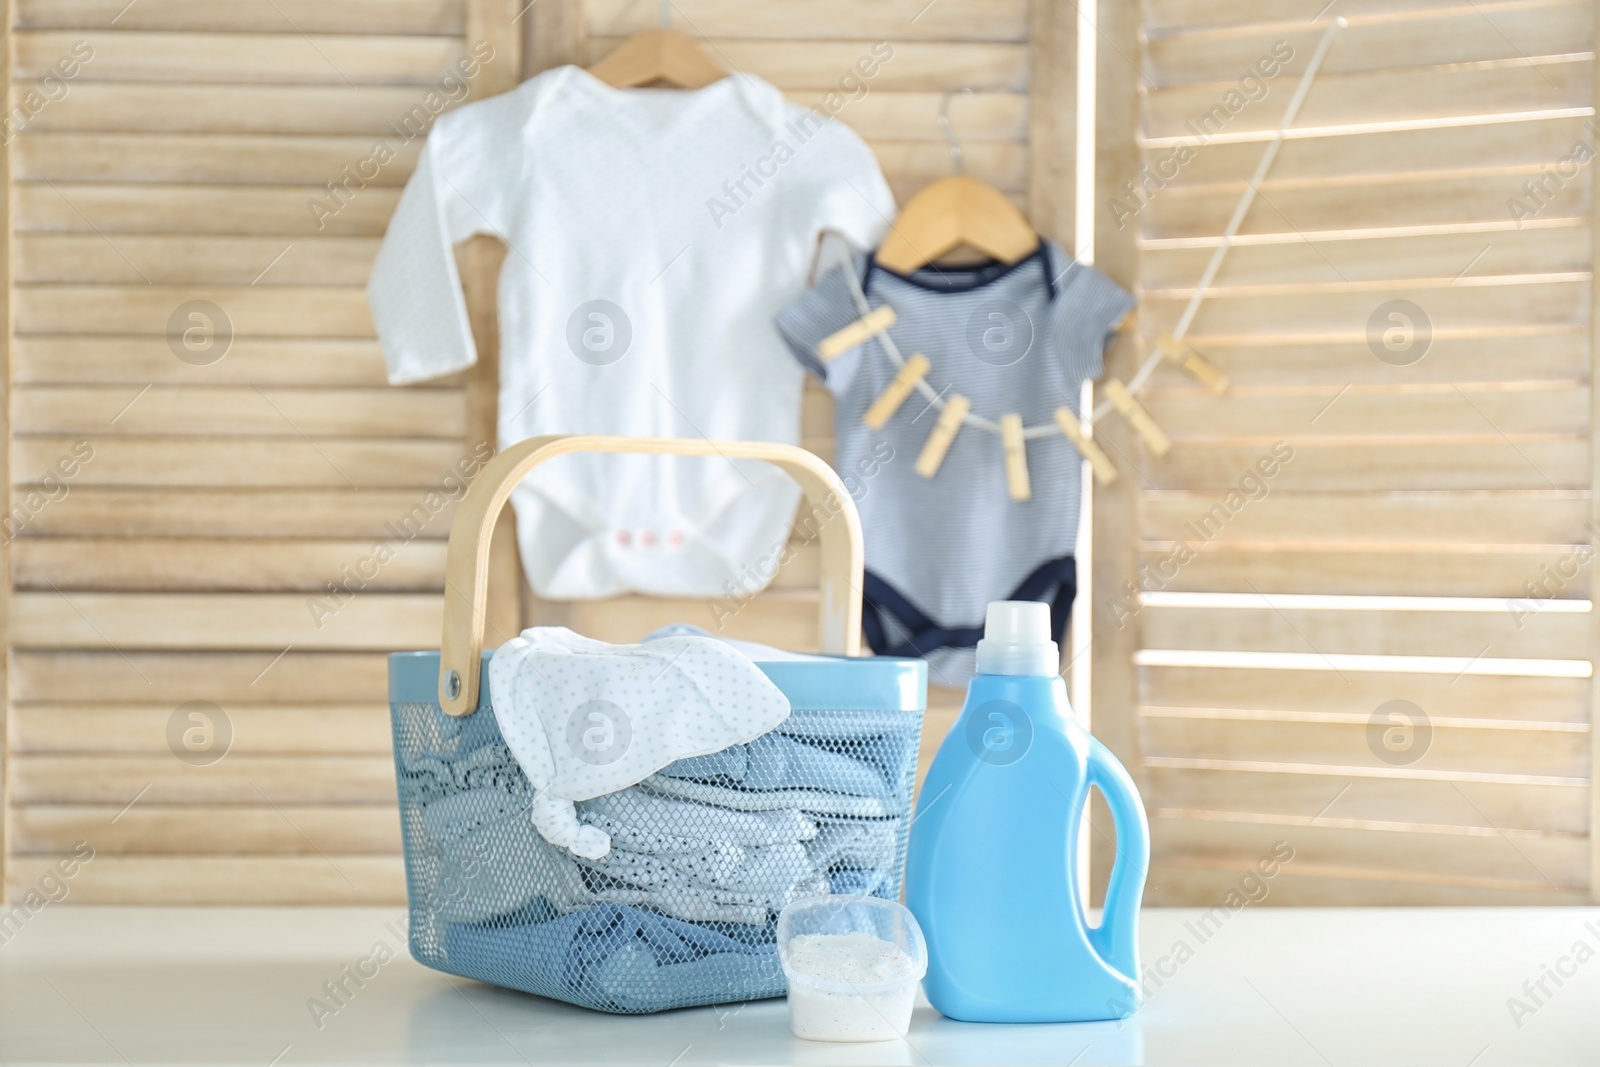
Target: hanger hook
point(949, 132)
point(664, 12)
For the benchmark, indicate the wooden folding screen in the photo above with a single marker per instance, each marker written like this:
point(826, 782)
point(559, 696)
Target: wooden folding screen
point(196, 684)
point(194, 211)
point(1407, 322)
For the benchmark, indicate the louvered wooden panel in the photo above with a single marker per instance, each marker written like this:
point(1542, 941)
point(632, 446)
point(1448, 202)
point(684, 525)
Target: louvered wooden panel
point(325, 878)
point(157, 830)
point(1490, 570)
point(184, 559)
point(1379, 41)
point(92, 677)
point(221, 499)
point(233, 512)
point(218, 564)
point(430, 17)
point(1002, 21)
point(210, 460)
point(311, 729)
point(1258, 662)
point(320, 260)
point(243, 412)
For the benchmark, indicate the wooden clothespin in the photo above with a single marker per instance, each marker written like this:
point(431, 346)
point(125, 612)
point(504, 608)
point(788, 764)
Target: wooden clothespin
point(1016, 453)
point(1081, 434)
point(1205, 371)
point(956, 407)
point(1135, 413)
point(895, 393)
point(867, 326)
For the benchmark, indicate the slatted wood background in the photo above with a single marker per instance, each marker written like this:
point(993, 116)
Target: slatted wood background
point(1465, 476)
point(178, 563)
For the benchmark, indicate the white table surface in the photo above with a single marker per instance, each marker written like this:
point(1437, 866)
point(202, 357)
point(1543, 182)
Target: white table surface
point(1273, 986)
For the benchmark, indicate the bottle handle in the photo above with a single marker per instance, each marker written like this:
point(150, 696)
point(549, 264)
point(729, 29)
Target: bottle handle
point(1116, 939)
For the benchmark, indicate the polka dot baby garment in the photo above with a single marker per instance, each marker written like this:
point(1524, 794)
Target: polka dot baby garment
point(586, 718)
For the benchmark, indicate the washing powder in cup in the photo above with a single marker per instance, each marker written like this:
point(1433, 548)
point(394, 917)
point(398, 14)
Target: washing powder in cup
point(853, 965)
point(864, 987)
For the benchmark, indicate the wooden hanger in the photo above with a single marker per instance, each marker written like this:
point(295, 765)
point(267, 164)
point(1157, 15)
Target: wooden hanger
point(952, 213)
point(956, 212)
point(658, 56)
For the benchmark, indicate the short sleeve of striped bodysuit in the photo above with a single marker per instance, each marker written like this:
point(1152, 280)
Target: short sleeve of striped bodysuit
point(823, 310)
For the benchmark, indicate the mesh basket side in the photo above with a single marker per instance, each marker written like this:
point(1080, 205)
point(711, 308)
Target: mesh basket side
point(682, 910)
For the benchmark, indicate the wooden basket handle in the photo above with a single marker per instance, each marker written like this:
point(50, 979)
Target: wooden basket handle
point(467, 565)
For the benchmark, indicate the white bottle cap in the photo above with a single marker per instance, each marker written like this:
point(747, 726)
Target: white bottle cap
point(1016, 640)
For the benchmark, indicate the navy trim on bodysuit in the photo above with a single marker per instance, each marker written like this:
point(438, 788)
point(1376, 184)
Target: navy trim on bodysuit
point(880, 598)
point(985, 274)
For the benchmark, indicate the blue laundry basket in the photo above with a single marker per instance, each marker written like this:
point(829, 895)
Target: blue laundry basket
point(705, 852)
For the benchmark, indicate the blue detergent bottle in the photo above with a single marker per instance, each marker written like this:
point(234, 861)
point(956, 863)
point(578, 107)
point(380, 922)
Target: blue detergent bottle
point(993, 871)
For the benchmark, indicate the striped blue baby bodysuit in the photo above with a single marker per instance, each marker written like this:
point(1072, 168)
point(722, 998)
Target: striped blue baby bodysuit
point(1015, 338)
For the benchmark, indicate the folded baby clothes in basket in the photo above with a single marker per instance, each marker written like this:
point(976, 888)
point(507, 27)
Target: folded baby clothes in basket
point(642, 819)
point(491, 767)
point(714, 865)
point(738, 867)
point(841, 763)
point(774, 762)
point(814, 762)
point(699, 856)
point(585, 718)
point(757, 861)
point(623, 958)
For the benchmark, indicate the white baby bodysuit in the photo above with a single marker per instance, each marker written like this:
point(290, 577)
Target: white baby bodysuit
point(652, 236)
point(584, 718)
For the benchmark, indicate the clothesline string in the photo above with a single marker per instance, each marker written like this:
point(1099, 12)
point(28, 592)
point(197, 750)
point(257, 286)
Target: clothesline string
point(1246, 199)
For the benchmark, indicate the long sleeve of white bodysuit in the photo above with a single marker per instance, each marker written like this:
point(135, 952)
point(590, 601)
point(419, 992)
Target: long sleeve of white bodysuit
point(415, 289)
